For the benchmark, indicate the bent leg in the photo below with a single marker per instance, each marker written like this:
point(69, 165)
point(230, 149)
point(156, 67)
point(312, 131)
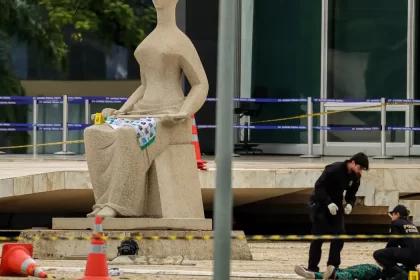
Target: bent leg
point(387, 258)
point(119, 167)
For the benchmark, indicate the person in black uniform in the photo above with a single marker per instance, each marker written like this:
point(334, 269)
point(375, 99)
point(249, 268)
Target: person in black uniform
point(326, 205)
point(404, 251)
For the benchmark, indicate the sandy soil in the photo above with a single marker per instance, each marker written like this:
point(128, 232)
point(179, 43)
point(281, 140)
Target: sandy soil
point(268, 258)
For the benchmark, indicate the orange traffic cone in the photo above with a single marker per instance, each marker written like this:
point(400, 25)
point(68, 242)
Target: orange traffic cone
point(16, 260)
point(201, 164)
point(97, 266)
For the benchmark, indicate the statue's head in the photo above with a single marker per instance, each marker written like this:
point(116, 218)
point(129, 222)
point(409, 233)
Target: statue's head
point(164, 4)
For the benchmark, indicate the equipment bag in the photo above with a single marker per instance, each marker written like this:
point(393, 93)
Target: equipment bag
point(128, 248)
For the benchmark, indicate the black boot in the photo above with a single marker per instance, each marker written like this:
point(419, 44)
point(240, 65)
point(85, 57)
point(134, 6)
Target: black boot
point(395, 273)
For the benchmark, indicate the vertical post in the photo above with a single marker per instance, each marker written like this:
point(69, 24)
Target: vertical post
point(35, 126)
point(383, 132)
point(411, 71)
point(88, 117)
point(238, 69)
point(324, 70)
point(224, 139)
point(87, 111)
point(310, 111)
point(64, 152)
point(323, 122)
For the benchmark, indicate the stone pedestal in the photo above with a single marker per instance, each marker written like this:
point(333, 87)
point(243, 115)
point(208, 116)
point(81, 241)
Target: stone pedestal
point(73, 244)
point(133, 224)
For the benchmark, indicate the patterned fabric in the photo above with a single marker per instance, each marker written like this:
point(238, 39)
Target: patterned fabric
point(359, 272)
point(145, 128)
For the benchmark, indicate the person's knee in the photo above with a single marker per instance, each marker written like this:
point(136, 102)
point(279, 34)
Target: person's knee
point(378, 255)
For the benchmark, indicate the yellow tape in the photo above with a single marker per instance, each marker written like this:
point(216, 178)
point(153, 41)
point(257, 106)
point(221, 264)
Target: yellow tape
point(45, 144)
point(209, 237)
point(319, 114)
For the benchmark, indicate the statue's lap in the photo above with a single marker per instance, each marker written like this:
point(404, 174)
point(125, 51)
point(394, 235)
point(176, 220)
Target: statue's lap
point(103, 134)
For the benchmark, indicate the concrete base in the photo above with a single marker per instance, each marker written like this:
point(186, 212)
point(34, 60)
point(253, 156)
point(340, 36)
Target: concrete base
point(65, 153)
point(383, 157)
point(310, 156)
point(77, 246)
point(133, 223)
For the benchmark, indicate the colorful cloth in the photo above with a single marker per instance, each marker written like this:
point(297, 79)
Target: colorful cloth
point(359, 272)
point(145, 128)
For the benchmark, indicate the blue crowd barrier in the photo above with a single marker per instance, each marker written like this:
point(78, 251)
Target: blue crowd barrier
point(87, 100)
point(103, 99)
point(75, 126)
point(347, 100)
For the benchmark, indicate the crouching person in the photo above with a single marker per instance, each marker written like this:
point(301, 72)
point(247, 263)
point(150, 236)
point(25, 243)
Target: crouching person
point(405, 251)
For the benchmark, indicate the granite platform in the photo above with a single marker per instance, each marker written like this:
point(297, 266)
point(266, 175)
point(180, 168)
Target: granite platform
point(133, 224)
point(77, 245)
point(261, 184)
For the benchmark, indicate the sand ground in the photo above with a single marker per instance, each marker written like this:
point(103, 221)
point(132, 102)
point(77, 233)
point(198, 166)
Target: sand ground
point(279, 257)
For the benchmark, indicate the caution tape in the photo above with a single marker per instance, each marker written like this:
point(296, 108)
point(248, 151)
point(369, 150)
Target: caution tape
point(319, 114)
point(209, 237)
point(42, 145)
point(263, 121)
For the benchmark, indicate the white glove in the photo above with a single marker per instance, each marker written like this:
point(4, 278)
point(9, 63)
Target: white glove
point(348, 209)
point(333, 208)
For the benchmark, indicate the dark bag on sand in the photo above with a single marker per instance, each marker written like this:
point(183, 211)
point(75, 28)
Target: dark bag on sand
point(128, 248)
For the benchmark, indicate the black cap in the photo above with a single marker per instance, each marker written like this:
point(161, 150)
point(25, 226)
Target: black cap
point(401, 209)
point(361, 159)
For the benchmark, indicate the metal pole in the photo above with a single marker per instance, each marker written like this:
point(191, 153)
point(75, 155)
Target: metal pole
point(383, 132)
point(411, 71)
point(87, 111)
point(88, 117)
point(224, 139)
point(64, 152)
point(35, 127)
point(322, 134)
point(310, 111)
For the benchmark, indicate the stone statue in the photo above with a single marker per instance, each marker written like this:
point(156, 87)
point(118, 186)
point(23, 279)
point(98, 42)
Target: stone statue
point(121, 171)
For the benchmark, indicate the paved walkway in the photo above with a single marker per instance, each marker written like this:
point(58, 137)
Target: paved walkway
point(23, 165)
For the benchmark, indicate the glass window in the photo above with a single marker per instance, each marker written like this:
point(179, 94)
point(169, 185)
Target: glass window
point(20, 58)
point(286, 61)
point(363, 119)
point(367, 57)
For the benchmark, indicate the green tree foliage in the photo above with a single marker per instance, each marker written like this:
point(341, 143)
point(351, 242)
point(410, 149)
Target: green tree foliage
point(40, 23)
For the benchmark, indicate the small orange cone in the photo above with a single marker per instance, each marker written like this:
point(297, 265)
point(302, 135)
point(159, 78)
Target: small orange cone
point(16, 260)
point(97, 266)
point(201, 164)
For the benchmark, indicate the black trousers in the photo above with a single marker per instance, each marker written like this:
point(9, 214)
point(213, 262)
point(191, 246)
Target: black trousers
point(325, 223)
point(389, 257)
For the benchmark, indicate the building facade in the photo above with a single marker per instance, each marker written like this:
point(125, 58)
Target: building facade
point(332, 49)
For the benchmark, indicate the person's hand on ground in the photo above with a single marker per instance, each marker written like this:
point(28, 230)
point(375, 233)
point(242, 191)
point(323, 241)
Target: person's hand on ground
point(348, 209)
point(333, 208)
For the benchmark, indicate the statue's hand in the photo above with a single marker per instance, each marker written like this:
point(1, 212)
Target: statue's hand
point(173, 120)
point(107, 112)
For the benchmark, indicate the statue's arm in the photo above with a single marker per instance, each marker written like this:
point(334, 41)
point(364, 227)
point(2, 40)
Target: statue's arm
point(194, 71)
point(135, 97)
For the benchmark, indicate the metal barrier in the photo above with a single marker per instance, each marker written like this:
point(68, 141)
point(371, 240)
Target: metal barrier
point(86, 101)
